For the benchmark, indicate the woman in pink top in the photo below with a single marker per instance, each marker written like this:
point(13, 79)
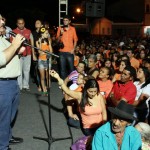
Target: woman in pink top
point(91, 102)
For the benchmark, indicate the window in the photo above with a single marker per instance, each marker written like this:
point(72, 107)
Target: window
point(103, 31)
point(147, 9)
point(108, 31)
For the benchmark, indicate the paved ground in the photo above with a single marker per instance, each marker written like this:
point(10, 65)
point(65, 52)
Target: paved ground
point(33, 120)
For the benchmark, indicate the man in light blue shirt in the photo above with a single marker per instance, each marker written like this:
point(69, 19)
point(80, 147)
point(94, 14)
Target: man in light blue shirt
point(118, 134)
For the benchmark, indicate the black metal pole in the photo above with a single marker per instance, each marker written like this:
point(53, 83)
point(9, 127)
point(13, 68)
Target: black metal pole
point(49, 139)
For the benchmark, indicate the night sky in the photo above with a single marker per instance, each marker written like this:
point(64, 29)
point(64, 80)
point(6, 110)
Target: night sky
point(48, 10)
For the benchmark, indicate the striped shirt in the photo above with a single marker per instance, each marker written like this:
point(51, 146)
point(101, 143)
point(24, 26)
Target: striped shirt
point(73, 76)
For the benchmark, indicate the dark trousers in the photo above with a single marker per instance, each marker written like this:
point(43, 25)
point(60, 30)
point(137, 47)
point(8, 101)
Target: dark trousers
point(9, 101)
point(66, 63)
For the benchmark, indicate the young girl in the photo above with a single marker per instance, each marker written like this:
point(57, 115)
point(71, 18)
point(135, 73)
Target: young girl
point(72, 105)
point(44, 44)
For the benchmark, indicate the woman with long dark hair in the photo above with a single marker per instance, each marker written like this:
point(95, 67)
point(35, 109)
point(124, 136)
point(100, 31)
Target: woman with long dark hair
point(143, 77)
point(143, 88)
point(91, 104)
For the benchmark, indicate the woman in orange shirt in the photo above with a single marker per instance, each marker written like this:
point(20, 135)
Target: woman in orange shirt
point(105, 84)
point(91, 104)
point(44, 43)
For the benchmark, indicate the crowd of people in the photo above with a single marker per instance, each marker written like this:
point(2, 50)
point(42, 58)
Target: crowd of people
point(105, 82)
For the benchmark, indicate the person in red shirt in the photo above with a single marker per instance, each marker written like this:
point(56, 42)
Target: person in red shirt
point(124, 89)
point(25, 58)
point(67, 35)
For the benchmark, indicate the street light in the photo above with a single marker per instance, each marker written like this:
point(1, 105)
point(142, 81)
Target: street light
point(78, 10)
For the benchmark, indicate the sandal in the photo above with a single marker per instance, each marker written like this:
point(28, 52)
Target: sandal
point(45, 93)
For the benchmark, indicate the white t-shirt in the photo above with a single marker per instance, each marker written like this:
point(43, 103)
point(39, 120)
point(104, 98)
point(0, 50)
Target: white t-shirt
point(73, 86)
point(139, 90)
point(146, 90)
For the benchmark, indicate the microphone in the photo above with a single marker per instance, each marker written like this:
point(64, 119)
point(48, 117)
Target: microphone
point(25, 42)
point(64, 27)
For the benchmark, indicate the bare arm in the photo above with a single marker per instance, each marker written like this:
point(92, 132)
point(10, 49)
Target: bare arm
point(74, 46)
point(142, 97)
point(71, 114)
point(73, 94)
point(114, 101)
point(114, 79)
point(10, 51)
point(104, 113)
point(38, 44)
point(66, 80)
point(95, 74)
point(32, 44)
point(50, 46)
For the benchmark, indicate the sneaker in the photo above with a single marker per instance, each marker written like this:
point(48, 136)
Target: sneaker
point(26, 90)
point(15, 140)
point(45, 94)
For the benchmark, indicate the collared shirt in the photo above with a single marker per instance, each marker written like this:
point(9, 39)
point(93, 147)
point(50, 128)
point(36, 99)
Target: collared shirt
point(127, 91)
point(68, 38)
point(2, 59)
point(12, 68)
point(104, 139)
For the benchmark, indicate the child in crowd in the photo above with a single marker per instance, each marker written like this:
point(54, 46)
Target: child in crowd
point(44, 43)
point(72, 105)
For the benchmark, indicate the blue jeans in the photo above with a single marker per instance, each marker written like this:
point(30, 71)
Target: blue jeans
point(66, 60)
point(23, 79)
point(73, 123)
point(9, 101)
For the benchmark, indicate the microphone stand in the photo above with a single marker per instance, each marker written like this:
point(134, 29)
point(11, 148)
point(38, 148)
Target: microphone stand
point(49, 139)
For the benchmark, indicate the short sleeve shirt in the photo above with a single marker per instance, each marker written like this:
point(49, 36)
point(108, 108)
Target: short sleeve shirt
point(127, 91)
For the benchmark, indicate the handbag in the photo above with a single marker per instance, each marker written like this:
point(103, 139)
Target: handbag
point(83, 143)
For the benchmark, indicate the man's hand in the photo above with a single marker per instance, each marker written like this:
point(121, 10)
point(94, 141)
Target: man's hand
point(72, 51)
point(17, 41)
